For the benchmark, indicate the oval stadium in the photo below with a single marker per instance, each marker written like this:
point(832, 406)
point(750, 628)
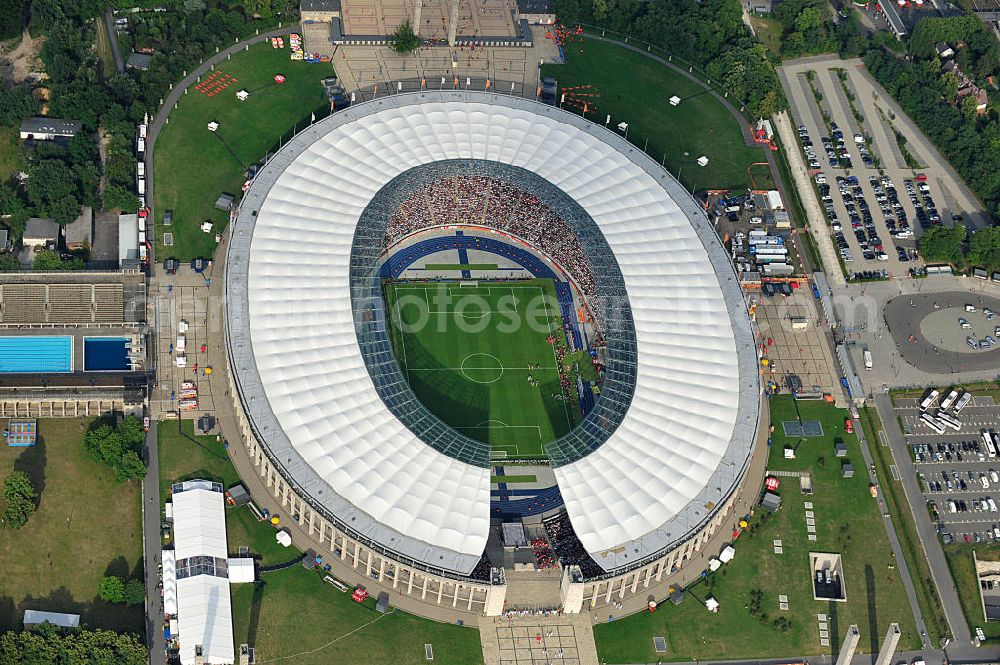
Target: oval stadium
point(473, 336)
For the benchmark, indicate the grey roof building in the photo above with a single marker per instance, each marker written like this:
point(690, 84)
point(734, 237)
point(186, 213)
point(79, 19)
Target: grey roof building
point(81, 231)
point(48, 129)
point(138, 61)
point(40, 231)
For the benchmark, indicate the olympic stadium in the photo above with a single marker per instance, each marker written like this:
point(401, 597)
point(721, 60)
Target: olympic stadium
point(430, 292)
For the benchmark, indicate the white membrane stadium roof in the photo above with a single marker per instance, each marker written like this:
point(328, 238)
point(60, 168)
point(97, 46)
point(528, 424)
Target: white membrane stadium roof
point(681, 447)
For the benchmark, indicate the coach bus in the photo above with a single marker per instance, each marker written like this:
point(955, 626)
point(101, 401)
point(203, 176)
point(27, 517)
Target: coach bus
point(988, 445)
point(926, 402)
point(949, 420)
point(949, 400)
point(932, 422)
point(962, 402)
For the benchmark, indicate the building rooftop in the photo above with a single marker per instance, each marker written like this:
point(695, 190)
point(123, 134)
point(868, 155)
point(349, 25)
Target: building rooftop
point(41, 228)
point(55, 126)
point(138, 60)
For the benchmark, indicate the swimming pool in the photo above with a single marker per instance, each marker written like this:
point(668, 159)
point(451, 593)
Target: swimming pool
point(105, 354)
point(27, 355)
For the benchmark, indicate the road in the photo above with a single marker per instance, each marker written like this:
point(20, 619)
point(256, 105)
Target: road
point(925, 530)
point(151, 547)
point(116, 53)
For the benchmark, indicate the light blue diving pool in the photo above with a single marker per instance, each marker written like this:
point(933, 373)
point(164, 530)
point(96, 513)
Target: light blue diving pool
point(31, 355)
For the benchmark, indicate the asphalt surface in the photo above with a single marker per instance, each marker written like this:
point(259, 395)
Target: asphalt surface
point(903, 315)
point(151, 544)
point(926, 532)
point(116, 53)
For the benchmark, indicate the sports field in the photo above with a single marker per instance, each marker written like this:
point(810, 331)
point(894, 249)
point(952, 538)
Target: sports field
point(478, 355)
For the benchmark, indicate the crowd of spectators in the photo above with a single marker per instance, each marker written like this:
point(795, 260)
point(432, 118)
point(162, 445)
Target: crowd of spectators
point(568, 547)
point(497, 204)
point(544, 558)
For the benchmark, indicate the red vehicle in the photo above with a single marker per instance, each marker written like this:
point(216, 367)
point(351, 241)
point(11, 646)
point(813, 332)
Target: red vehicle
point(848, 425)
point(921, 177)
point(359, 594)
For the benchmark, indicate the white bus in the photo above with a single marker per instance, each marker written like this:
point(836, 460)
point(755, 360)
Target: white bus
point(932, 422)
point(962, 402)
point(949, 400)
point(868, 359)
point(949, 420)
point(926, 402)
point(991, 448)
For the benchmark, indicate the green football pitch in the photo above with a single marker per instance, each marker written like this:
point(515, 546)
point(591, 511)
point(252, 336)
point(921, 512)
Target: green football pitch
point(477, 355)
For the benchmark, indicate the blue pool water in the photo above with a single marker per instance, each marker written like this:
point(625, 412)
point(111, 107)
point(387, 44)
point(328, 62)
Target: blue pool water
point(105, 354)
point(25, 355)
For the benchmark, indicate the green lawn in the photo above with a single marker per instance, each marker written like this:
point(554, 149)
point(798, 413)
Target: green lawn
point(193, 166)
point(847, 521)
point(513, 479)
point(906, 530)
point(184, 456)
point(87, 526)
point(768, 30)
point(10, 152)
point(635, 89)
point(491, 380)
point(963, 571)
point(300, 618)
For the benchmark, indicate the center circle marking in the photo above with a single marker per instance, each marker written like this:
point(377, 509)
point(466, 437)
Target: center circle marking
point(483, 368)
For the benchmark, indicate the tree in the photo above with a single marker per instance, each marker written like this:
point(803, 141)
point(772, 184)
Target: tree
point(46, 261)
point(9, 262)
point(118, 447)
point(16, 102)
point(111, 589)
point(94, 647)
point(117, 197)
point(19, 499)
point(135, 592)
point(943, 245)
point(404, 40)
point(984, 248)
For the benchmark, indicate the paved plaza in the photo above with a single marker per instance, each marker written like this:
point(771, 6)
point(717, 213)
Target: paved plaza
point(362, 68)
point(556, 640)
point(483, 18)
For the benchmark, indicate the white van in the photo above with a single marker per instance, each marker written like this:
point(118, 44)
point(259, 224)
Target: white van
point(952, 507)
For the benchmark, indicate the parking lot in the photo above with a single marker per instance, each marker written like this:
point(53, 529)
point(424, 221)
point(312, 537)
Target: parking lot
point(958, 476)
point(876, 204)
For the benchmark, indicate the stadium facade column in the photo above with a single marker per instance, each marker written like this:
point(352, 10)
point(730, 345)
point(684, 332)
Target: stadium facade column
point(496, 596)
point(416, 17)
point(571, 589)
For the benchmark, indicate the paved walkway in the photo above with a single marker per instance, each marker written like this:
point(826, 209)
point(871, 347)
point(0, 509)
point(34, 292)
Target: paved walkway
point(116, 53)
point(815, 217)
point(151, 544)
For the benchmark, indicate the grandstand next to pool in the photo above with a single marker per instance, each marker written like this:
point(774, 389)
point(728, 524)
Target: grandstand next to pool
point(445, 287)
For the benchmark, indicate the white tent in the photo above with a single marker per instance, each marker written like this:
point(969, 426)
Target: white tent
point(714, 564)
point(712, 604)
point(169, 583)
point(727, 554)
point(283, 538)
point(241, 571)
point(204, 610)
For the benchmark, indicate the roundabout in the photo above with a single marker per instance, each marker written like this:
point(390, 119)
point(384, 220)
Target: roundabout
point(927, 330)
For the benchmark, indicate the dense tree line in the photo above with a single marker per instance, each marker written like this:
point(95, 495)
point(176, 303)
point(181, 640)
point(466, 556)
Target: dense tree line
point(49, 646)
point(970, 142)
point(61, 179)
point(118, 447)
point(710, 34)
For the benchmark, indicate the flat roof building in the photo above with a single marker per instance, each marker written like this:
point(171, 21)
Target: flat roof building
point(34, 618)
point(49, 129)
point(80, 233)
